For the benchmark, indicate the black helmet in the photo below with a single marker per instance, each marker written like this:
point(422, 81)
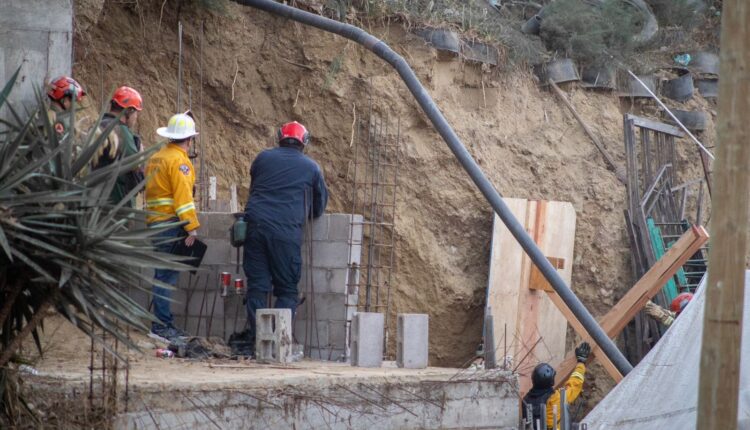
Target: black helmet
point(543, 376)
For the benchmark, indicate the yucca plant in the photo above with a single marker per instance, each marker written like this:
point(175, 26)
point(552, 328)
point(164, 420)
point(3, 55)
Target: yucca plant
point(63, 244)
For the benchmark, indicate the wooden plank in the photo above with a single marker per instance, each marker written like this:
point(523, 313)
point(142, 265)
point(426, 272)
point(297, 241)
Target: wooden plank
point(537, 281)
point(526, 314)
point(646, 287)
point(554, 229)
point(655, 125)
point(503, 292)
point(530, 302)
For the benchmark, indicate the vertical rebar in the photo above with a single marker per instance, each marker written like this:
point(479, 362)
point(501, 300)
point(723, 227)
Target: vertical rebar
point(202, 164)
point(179, 67)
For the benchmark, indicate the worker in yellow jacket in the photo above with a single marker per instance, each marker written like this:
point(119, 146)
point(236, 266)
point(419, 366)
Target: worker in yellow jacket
point(169, 198)
point(544, 393)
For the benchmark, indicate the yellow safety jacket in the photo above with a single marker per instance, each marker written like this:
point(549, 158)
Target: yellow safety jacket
point(573, 388)
point(169, 192)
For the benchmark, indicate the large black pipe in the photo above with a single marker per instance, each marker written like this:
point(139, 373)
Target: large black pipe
point(459, 150)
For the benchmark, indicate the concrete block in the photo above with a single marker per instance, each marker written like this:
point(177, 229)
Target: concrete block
point(412, 345)
point(327, 354)
point(325, 280)
point(367, 339)
point(234, 317)
point(219, 252)
point(338, 334)
point(318, 337)
point(328, 306)
point(215, 225)
point(320, 228)
point(273, 339)
point(339, 227)
point(332, 255)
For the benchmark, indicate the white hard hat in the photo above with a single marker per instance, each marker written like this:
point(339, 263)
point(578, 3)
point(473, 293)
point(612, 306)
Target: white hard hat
point(180, 126)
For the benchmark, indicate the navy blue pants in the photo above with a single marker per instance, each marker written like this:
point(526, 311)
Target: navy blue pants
point(161, 296)
point(272, 264)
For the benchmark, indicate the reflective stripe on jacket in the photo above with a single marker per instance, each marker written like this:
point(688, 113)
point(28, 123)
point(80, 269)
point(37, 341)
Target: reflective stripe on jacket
point(573, 388)
point(169, 192)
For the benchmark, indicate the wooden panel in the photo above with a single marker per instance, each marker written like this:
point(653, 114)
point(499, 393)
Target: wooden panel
point(503, 290)
point(530, 315)
point(557, 241)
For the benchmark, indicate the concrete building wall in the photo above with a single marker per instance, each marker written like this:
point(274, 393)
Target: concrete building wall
point(36, 35)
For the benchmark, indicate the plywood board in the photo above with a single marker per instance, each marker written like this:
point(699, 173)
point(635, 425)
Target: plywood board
point(506, 257)
point(536, 329)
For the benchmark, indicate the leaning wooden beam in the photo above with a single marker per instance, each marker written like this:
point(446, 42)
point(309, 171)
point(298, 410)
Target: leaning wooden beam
point(635, 299)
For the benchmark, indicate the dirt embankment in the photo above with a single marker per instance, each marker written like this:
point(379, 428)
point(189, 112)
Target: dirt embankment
point(260, 71)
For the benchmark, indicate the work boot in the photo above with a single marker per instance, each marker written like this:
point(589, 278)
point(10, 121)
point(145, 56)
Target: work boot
point(166, 334)
point(242, 344)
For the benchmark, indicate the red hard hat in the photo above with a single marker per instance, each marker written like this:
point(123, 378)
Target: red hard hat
point(65, 86)
point(679, 302)
point(294, 130)
point(126, 97)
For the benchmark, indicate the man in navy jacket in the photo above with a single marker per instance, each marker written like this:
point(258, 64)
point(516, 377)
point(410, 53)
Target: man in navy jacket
point(286, 189)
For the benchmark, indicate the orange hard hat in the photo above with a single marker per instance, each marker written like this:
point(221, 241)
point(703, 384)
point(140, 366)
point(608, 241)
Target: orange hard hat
point(65, 86)
point(126, 97)
point(679, 302)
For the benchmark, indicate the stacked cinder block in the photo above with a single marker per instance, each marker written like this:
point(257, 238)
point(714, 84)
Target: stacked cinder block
point(328, 284)
point(273, 338)
point(325, 284)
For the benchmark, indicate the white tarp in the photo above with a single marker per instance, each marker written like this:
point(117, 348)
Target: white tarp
point(662, 391)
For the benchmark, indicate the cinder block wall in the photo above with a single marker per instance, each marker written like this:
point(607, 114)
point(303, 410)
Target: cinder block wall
point(328, 285)
point(200, 309)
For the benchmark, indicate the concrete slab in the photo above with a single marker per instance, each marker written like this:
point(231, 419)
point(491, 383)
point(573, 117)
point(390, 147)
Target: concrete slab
point(305, 395)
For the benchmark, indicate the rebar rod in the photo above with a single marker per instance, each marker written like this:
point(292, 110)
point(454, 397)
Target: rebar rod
point(463, 156)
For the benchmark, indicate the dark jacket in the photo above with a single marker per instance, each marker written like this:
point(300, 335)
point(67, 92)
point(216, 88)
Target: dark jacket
point(286, 187)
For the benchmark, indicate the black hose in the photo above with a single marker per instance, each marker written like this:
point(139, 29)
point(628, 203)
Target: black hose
point(459, 150)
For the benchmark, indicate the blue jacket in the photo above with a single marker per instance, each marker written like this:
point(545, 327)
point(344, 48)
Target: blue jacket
point(286, 187)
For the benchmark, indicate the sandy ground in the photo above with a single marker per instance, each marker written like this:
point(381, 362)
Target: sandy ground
point(259, 71)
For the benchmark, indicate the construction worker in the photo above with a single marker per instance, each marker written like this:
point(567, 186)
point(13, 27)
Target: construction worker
point(169, 198)
point(667, 317)
point(544, 393)
point(125, 105)
point(62, 90)
point(286, 189)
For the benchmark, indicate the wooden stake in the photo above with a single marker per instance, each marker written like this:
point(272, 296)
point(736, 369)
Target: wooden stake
point(619, 172)
point(718, 388)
